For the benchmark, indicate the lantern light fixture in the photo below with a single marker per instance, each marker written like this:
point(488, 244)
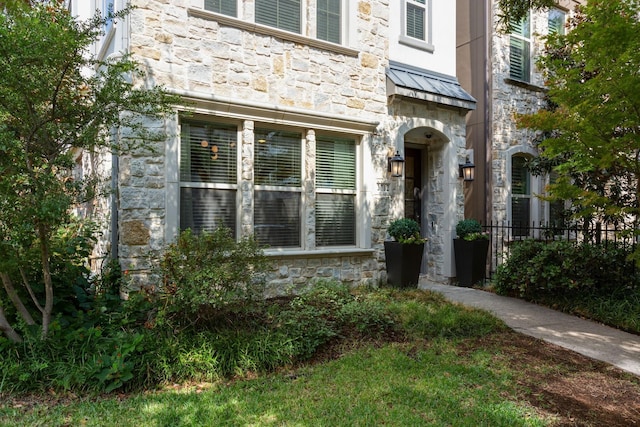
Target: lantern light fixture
point(467, 170)
point(396, 165)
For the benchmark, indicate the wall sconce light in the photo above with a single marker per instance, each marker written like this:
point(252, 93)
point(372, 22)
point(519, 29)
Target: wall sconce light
point(467, 170)
point(396, 165)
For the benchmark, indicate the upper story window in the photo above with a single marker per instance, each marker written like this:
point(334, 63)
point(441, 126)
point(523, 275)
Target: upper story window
point(283, 14)
point(520, 51)
point(329, 20)
point(416, 22)
point(557, 20)
point(225, 7)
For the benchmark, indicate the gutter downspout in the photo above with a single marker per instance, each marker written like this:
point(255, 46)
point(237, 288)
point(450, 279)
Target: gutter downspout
point(115, 163)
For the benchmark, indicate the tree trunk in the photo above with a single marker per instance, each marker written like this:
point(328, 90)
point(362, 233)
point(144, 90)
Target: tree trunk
point(15, 299)
point(48, 284)
point(6, 328)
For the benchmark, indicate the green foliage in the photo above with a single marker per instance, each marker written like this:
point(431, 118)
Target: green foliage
point(590, 129)
point(511, 11)
point(469, 229)
point(51, 109)
point(538, 269)
point(405, 230)
point(208, 272)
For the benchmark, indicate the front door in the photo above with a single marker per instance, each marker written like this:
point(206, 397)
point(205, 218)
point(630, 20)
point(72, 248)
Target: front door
point(413, 184)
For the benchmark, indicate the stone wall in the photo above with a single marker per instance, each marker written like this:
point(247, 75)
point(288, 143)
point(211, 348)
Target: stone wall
point(510, 99)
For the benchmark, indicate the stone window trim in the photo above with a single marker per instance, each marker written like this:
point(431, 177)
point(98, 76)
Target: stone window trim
point(526, 85)
point(344, 49)
point(426, 44)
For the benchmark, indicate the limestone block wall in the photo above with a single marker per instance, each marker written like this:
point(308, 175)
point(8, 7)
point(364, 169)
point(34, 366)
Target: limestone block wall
point(508, 100)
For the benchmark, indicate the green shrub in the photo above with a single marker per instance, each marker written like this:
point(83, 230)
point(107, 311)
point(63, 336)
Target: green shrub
point(537, 269)
point(405, 230)
point(468, 227)
point(208, 272)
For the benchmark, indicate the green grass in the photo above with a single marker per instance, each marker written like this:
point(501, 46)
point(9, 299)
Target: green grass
point(392, 385)
point(424, 379)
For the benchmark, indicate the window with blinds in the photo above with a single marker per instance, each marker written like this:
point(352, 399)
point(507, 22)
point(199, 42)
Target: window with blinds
point(225, 7)
point(329, 20)
point(282, 14)
point(556, 21)
point(278, 179)
point(416, 19)
point(520, 51)
point(208, 176)
point(520, 196)
point(335, 192)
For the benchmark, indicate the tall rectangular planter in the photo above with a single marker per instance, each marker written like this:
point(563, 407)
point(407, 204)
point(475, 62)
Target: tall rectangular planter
point(403, 262)
point(471, 260)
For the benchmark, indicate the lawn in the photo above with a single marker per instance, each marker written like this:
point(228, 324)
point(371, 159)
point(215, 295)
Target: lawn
point(455, 366)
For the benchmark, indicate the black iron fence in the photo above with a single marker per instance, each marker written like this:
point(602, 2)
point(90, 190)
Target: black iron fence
point(503, 235)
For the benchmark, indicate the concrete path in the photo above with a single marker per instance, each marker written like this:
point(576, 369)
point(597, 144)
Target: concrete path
point(589, 338)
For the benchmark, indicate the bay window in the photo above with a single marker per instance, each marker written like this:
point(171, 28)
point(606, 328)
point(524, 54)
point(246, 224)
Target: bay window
point(284, 162)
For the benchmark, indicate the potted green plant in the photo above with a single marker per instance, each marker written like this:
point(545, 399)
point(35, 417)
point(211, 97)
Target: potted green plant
point(470, 249)
point(403, 254)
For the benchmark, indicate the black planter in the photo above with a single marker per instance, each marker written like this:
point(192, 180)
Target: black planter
point(403, 263)
point(471, 260)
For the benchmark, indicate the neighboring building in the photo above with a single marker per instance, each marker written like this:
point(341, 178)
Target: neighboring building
point(499, 70)
point(292, 109)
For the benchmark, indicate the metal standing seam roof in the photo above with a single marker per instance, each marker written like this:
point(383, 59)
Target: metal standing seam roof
point(428, 86)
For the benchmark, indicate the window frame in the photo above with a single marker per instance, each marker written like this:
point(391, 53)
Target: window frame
point(231, 186)
point(526, 40)
point(330, 190)
point(426, 43)
point(307, 189)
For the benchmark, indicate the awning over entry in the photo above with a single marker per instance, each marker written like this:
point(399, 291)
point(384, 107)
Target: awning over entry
point(417, 83)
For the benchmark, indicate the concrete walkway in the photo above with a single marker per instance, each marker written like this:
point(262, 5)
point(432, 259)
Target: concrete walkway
point(589, 338)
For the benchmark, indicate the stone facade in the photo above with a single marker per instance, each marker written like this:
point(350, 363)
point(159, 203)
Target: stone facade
point(228, 69)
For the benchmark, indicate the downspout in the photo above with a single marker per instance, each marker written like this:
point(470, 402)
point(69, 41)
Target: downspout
point(115, 163)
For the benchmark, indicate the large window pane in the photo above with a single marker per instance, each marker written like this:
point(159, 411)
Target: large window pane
point(208, 157)
point(278, 158)
point(520, 51)
point(277, 218)
point(335, 219)
point(335, 164)
point(335, 186)
point(329, 20)
point(520, 196)
point(207, 209)
point(283, 14)
point(208, 153)
point(416, 19)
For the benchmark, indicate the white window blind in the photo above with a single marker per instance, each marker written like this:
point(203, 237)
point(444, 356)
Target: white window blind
point(283, 14)
point(278, 180)
point(416, 19)
point(225, 7)
point(520, 51)
point(208, 176)
point(278, 158)
point(329, 20)
point(335, 192)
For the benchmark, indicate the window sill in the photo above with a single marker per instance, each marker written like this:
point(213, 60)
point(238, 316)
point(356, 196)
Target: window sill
point(415, 43)
point(318, 253)
point(270, 31)
point(526, 85)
